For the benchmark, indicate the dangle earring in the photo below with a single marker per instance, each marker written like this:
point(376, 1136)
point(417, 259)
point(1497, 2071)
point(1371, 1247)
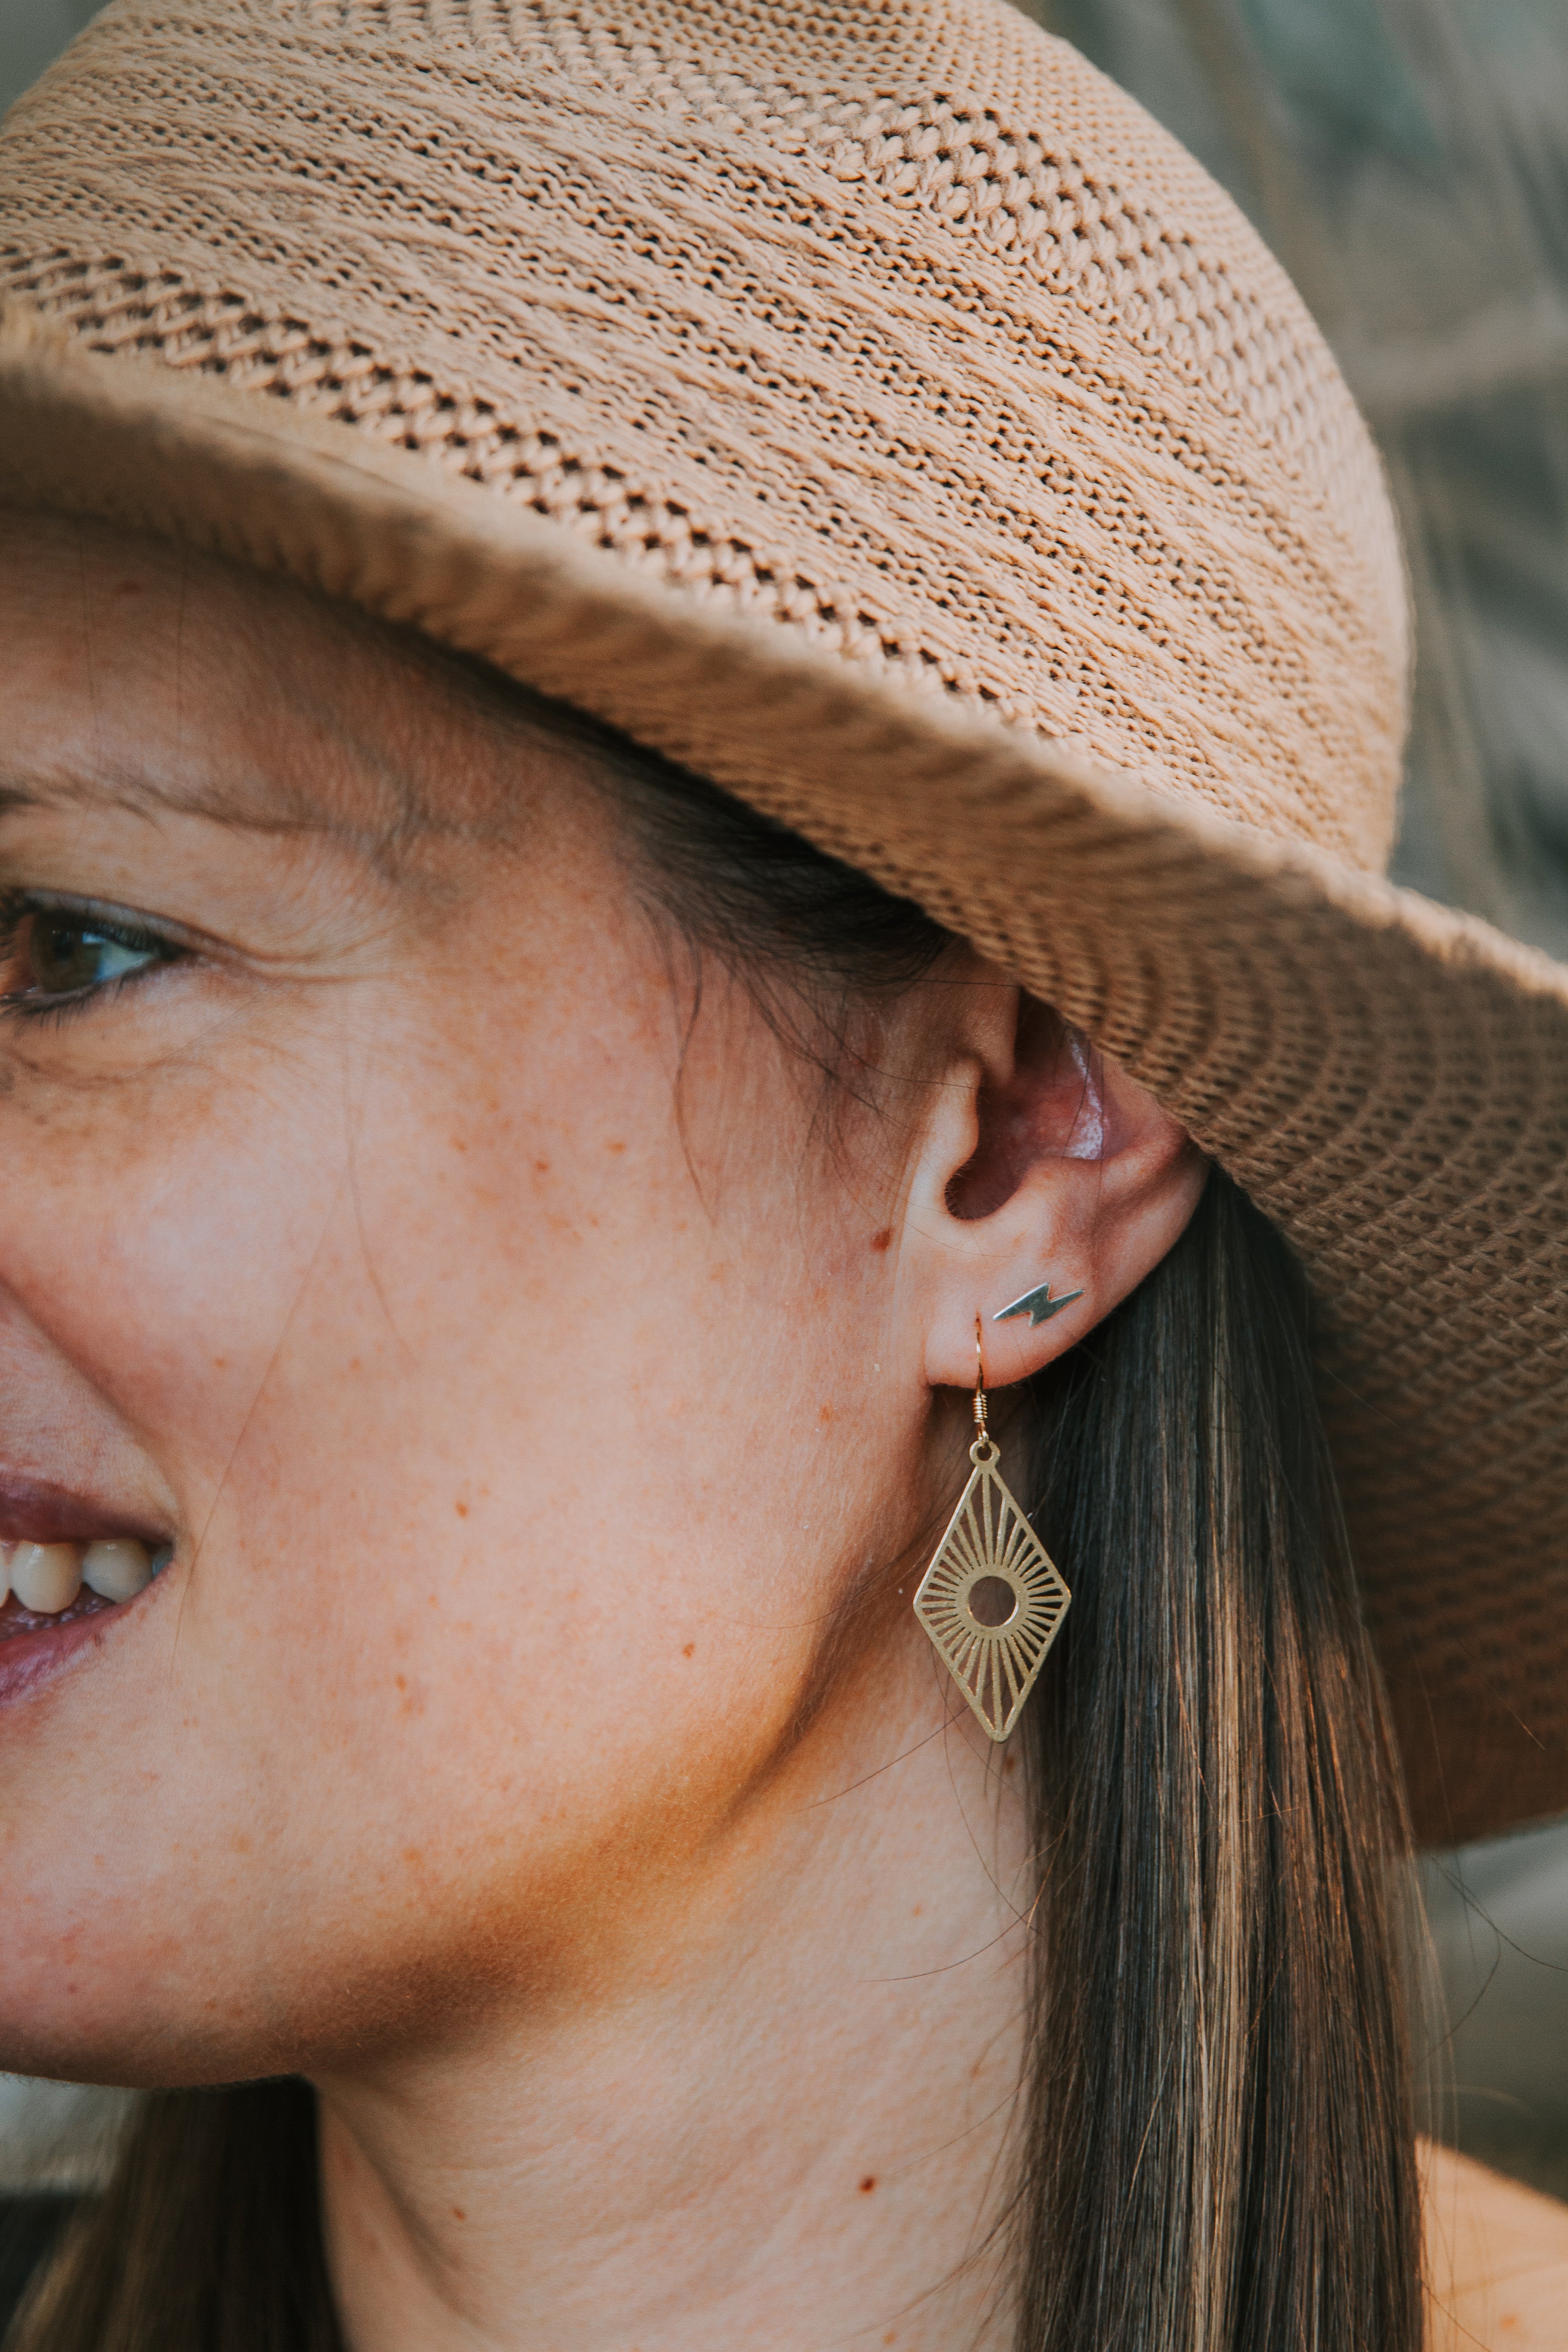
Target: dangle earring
point(992, 1600)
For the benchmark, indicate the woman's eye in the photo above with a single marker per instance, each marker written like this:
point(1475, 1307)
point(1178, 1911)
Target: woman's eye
point(57, 955)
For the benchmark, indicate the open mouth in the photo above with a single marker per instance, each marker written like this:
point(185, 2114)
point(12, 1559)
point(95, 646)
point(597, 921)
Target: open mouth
point(44, 1586)
point(71, 1564)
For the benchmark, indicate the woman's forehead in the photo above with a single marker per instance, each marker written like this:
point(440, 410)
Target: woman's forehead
point(168, 682)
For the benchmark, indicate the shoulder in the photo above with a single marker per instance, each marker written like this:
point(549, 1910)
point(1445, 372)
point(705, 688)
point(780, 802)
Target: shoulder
point(1497, 2260)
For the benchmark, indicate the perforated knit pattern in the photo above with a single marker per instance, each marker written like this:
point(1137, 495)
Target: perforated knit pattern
point(807, 393)
point(818, 335)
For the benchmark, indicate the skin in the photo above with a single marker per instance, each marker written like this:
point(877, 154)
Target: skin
point(550, 1413)
point(1497, 2256)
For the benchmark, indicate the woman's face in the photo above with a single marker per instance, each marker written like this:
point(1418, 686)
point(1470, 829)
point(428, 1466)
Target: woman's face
point(493, 1344)
point(538, 1395)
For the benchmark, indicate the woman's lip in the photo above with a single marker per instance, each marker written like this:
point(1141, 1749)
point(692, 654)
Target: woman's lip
point(27, 1660)
point(34, 1511)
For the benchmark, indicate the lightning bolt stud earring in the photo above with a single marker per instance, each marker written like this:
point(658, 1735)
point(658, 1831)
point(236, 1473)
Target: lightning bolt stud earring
point(992, 1600)
point(1038, 1305)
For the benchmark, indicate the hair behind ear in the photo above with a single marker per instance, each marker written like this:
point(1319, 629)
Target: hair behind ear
point(1221, 2144)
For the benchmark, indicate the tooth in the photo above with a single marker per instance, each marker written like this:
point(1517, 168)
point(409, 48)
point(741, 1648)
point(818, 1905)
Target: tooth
point(46, 1577)
point(116, 1569)
point(5, 1551)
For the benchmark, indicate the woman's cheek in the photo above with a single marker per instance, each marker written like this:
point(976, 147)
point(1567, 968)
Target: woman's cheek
point(476, 1626)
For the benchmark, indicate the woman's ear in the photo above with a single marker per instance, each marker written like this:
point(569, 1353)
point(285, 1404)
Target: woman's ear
point(1042, 1165)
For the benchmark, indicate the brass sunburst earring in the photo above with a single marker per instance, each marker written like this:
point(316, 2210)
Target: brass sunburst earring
point(993, 1600)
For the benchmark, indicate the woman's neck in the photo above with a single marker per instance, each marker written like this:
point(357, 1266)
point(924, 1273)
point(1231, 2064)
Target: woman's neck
point(780, 2118)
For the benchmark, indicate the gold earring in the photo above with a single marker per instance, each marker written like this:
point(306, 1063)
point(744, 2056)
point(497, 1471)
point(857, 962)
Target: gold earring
point(992, 1600)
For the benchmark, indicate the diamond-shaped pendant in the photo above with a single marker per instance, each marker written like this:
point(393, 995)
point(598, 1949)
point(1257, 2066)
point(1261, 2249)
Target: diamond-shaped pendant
point(994, 1666)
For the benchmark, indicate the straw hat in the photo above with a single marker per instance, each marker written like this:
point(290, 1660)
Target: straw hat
point(869, 407)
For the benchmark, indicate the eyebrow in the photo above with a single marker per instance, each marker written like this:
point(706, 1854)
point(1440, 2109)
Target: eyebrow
point(399, 799)
point(140, 794)
point(215, 805)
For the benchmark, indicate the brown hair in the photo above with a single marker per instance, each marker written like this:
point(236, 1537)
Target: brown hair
point(1218, 2143)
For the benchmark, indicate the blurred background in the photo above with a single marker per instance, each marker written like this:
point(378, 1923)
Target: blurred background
point(1408, 161)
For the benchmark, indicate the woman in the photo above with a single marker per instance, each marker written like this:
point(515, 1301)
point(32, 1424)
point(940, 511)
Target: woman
point(702, 715)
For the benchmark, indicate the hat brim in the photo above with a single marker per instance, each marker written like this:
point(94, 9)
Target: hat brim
point(1386, 1078)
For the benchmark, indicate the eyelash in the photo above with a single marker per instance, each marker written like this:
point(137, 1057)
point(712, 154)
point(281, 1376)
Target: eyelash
point(19, 907)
